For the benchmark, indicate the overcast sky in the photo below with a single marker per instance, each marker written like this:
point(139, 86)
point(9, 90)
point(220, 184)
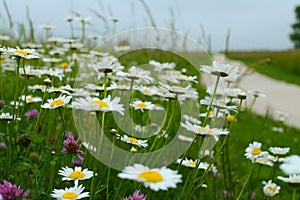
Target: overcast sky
point(254, 24)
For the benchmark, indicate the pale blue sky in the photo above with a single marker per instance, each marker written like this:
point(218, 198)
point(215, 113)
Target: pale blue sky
point(254, 24)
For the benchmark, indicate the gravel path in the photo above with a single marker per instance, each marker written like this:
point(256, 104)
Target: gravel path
point(280, 96)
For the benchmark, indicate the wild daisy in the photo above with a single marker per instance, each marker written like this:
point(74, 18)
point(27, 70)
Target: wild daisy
point(291, 165)
point(22, 53)
point(77, 173)
point(293, 179)
point(193, 163)
point(142, 105)
point(134, 141)
point(75, 192)
point(200, 130)
point(96, 104)
point(31, 99)
point(161, 66)
point(222, 70)
point(279, 150)
point(138, 74)
point(270, 189)
point(106, 66)
point(8, 117)
point(182, 77)
point(185, 138)
point(156, 178)
point(60, 101)
point(176, 89)
point(253, 151)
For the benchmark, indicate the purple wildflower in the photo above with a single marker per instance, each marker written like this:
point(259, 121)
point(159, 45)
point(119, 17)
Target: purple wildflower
point(77, 160)
point(9, 191)
point(32, 114)
point(2, 145)
point(71, 145)
point(2, 103)
point(136, 196)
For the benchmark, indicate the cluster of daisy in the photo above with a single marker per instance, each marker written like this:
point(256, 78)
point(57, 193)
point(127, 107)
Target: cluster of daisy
point(290, 164)
point(76, 175)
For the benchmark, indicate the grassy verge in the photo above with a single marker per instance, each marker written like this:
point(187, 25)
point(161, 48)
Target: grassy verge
point(280, 65)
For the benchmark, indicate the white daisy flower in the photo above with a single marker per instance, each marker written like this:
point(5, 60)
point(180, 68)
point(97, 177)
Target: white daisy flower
point(220, 105)
point(122, 48)
point(185, 138)
point(52, 60)
point(73, 193)
point(115, 86)
point(256, 93)
point(56, 73)
point(178, 89)
point(132, 140)
point(149, 91)
point(222, 70)
point(265, 160)
point(95, 104)
point(293, 179)
point(156, 178)
point(270, 189)
point(30, 72)
point(233, 92)
point(37, 87)
point(60, 101)
point(279, 150)
point(291, 165)
point(182, 77)
point(193, 163)
point(138, 74)
point(22, 53)
point(200, 130)
point(8, 117)
point(142, 105)
point(106, 66)
point(161, 66)
point(254, 151)
point(31, 99)
point(191, 119)
point(70, 174)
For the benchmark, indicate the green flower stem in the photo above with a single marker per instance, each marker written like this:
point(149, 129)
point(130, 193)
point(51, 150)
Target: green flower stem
point(294, 193)
point(212, 99)
point(105, 85)
point(83, 32)
point(245, 183)
point(252, 104)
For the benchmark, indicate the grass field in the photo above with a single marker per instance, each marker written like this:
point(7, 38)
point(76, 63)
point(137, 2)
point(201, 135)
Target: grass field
point(280, 65)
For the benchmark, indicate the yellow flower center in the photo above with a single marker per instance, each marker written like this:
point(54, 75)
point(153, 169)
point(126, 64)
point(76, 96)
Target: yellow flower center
point(230, 118)
point(24, 53)
point(109, 58)
point(210, 131)
point(176, 87)
point(146, 90)
point(133, 140)
point(101, 103)
point(141, 105)
point(222, 104)
point(77, 175)
point(193, 164)
point(151, 176)
point(69, 195)
point(182, 76)
point(55, 89)
point(271, 189)
point(56, 103)
point(64, 65)
point(256, 151)
point(211, 113)
point(29, 99)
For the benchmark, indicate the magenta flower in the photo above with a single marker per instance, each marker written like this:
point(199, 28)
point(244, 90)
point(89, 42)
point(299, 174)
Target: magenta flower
point(32, 114)
point(9, 191)
point(136, 196)
point(77, 160)
point(71, 145)
point(2, 103)
point(2, 145)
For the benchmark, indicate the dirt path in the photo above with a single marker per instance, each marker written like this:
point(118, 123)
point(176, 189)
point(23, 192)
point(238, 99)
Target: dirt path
point(280, 96)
